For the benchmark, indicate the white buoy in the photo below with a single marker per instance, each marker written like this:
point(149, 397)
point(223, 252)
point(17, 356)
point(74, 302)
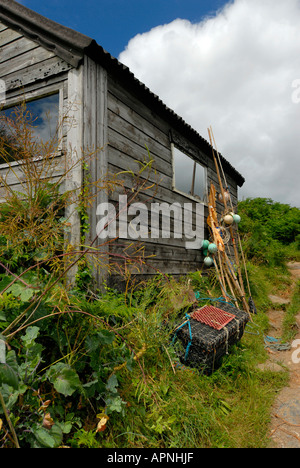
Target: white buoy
point(228, 219)
point(208, 261)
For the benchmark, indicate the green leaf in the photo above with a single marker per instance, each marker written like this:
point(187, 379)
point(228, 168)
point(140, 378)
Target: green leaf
point(103, 337)
point(106, 337)
point(112, 383)
point(44, 438)
point(11, 360)
point(8, 376)
point(2, 316)
point(15, 289)
point(64, 379)
point(30, 336)
point(26, 294)
point(23, 292)
point(5, 281)
point(115, 404)
point(57, 434)
point(49, 438)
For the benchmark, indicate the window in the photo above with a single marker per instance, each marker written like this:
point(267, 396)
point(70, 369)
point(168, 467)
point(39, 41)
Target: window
point(43, 118)
point(189, 175)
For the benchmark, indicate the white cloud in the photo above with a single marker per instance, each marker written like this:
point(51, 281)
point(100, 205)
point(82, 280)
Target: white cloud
point(236, 72)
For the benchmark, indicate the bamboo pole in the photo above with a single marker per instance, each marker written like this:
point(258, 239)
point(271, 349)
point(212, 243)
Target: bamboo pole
point(225, 205)
point(230, 229)
point(231, 289)
point(239, 286)
point(222, 275)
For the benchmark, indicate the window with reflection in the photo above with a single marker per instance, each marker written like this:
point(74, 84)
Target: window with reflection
point(189, 175)
point(36, 120)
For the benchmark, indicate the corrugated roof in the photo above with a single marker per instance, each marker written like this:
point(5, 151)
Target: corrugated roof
point(72, 46)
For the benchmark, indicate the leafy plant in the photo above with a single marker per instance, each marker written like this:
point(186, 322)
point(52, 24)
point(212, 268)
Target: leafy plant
point(269, 230)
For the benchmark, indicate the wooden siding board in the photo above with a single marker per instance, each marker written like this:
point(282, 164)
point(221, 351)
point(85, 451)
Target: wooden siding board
point(2, 26)
point(37, 89)
point(137, 120)
point(34, 73)
point(25, 60)
point(8, 35)
point(14, 176)
point(122, 161)
point(15, 49)
point(122, 93)
point(138, 136)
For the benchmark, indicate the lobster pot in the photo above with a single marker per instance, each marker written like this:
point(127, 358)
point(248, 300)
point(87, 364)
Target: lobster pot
point(205, 345)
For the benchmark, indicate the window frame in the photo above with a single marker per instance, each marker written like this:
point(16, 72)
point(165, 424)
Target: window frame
point(34, 96)
point(188, 195)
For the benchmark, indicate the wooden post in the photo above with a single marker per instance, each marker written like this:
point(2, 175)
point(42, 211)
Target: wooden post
point(95, 140)
point(74, 155)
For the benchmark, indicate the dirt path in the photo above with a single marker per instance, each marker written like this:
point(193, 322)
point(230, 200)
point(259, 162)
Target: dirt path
point(285, 424)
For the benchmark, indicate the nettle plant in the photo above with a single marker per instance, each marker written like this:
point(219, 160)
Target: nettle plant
point(58, 345)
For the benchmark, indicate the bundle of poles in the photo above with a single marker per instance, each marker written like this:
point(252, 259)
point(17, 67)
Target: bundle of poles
point(229, 273)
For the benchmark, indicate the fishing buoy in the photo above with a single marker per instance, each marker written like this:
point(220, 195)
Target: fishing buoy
point(208, 261)
point(212, 248)
point(226, 196)
point(236, 218)
point(205, 244)
point(228, 219)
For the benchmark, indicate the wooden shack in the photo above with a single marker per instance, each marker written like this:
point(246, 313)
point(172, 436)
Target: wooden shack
point(49, 64)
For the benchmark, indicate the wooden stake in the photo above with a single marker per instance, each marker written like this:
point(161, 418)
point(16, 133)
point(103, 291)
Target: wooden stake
point(240, 285)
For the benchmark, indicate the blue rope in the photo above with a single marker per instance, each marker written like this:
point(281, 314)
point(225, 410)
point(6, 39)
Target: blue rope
point(190, 342)
point(191, 336)
point(217, 299)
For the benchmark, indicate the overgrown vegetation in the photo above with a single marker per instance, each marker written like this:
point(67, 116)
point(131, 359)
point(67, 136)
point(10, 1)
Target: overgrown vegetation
point(88, 370)
point(270, 230)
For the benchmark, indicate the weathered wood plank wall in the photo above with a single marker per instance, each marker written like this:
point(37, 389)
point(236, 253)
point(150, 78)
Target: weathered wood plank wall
point(131, 126)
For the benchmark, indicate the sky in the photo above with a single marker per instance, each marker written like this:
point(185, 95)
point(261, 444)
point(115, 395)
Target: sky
point(232, 65)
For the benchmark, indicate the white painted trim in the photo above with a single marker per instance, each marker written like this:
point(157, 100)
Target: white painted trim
point(73, 180)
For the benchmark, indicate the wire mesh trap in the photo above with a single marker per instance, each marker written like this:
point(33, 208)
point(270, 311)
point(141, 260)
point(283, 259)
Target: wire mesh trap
point(205, 345)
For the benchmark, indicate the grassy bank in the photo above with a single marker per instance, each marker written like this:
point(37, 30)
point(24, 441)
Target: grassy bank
point(114, 362)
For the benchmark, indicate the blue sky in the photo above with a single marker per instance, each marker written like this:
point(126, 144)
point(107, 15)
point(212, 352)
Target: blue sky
point(112, 23)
